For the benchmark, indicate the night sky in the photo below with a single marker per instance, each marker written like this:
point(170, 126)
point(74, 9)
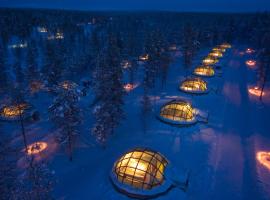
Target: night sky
point(173, 5)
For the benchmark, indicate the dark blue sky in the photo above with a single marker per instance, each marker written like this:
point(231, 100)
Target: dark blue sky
point(174, 5)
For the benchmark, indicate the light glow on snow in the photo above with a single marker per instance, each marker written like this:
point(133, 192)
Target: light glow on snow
point(36, 148)
point(251, 63)
point(129, 87)
point(250, 50)
point(68, 85)
point(263, 158)
point(256, 91)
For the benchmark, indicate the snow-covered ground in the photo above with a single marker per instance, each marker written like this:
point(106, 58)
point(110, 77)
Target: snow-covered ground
point(220, 155)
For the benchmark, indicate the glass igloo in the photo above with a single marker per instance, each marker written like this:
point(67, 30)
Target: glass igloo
point(216, 54)
point(178, 112)
point(226, 46)
point(206, 71)
point(194, 85)
point(218, 48)
point(209, 60)
point(140, 173)
point(12, 112)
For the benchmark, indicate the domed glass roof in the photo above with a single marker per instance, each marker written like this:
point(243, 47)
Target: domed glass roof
point(216, 54)
point(209, 60)
point(179, 111)
point(193, 85)
point(141, 169)
point(13, 111)
point(218, 48)
point(204, 71)
point(226, 46)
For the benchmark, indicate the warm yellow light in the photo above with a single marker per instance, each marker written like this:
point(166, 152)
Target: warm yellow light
point(144, 57)
point(250, 50)
point(226, 46)
point(36, 148)
point(204, 71)
point(129, 87)
point(193, 84)
point(216, 54)
point(140, 169)
point(67, 85)
point(178, 111)
point(251, 63)
point(264, 158)
point(219, 49)
point(256, 91)
point(14, 111)
point(210, 60)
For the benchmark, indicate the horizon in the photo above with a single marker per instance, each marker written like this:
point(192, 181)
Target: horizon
point(207, 6)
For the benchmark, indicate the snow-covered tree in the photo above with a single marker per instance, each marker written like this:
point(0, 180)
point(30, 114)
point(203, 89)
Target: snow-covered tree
point(66, 114)
point(109, 91)
point(36, 182)
point(32, 63)
point(7, 167)
point(3, 69)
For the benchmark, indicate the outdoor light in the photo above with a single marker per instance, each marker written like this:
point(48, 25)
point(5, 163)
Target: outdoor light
point(68, 85)
point(206, 71)
point(144, 173)
point(250, 51)
point(209, 60)
point(144, 57)
point(251, 63)
point(36, 148)
point(125, 64)
point(216, 54)
point(129, 87)
point(256, 91)
point(264, 158)
point(194, 85)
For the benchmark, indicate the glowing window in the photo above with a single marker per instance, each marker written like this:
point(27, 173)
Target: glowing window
point(204, 71)
point(209, 60)
point(13, 111)
point(193, 85)
point(216, 54)
point(177, 111)
point(141, 168)
point(226, 46)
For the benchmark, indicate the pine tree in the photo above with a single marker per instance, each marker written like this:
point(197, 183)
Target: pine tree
point(36, 182)
point(66, 115)
point(108, 88)
point(32, 64)
point(3, 69)
point(7, 167)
